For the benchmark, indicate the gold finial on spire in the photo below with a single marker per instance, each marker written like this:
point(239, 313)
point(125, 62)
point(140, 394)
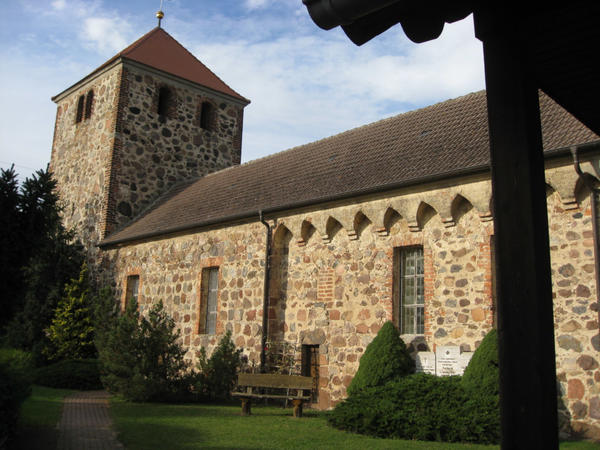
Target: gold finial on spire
point(160, 14)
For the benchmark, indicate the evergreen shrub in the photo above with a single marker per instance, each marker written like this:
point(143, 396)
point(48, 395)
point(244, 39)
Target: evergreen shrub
point(481, 375)
point(81, 374)
point(71, 333)
point(141, 357)
point(16, 376)
point(419, 406)
point(218, 373)
point(385, 359)
point(426, 407)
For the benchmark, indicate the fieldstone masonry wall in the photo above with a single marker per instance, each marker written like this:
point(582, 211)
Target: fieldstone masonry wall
point(575, 313)
point(112, 166)
point(333, 288)
point(82, 154)
point(158, 151)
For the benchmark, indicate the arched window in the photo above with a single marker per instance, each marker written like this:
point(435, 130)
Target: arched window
point(80, 103)
point(165, 100)
point(89, 100)
point(207, 116)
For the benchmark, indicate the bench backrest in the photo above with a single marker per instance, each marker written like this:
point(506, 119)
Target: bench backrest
point(273, 380)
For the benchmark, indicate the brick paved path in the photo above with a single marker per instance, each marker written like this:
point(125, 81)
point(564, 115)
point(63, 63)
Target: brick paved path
point(85, 423)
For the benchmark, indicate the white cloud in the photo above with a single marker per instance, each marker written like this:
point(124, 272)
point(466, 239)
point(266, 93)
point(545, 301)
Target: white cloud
point(59, 5)
point(256, 4)
point(106, 35)
point(304, 83)
point(305, 87)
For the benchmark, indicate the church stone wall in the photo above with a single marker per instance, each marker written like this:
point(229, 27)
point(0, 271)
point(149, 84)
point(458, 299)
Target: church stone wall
point(576, 310)
point(81, 155)
point(333, 290)
point(334, 287)
point(155, 151)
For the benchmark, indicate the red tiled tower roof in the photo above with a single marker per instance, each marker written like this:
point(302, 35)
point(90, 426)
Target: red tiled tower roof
point(159, 50)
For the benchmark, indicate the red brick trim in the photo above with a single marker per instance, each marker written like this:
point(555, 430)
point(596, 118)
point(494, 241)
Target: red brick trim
point(237, 137)
point(325, 285)
point(113, 164)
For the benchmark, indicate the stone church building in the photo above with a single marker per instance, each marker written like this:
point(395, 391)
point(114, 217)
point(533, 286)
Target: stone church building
point(389, 221)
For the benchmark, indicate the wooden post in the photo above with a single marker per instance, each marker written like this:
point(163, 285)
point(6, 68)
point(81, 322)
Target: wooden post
point(297, 407)
point(246, 406)
point(525, 311)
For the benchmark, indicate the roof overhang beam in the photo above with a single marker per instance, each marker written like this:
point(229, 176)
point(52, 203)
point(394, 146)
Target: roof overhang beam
point(362, 21)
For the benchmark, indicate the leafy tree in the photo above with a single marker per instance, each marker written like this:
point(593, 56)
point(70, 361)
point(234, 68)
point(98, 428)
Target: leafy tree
point(71, 333)
point(385, 359)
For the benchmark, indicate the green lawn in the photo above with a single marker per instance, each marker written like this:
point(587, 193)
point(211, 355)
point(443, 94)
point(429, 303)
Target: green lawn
point(39, 416)
point(148, 426)
point(153, 426)
point(194, 426)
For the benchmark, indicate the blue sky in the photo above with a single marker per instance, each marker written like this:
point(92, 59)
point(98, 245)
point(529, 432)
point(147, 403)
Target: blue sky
point(304, 83)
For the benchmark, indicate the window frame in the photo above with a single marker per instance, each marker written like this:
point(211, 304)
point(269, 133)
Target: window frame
point(128, 291)
point(209, 301)
point(401, 283)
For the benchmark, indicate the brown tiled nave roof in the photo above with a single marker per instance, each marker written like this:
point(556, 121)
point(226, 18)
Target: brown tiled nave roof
point(439, 141)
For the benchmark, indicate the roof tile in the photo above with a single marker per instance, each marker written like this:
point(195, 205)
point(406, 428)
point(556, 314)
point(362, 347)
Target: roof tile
point(438, 141)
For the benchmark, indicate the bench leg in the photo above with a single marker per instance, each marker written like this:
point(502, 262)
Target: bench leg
point(297, 407)
point(246, 406)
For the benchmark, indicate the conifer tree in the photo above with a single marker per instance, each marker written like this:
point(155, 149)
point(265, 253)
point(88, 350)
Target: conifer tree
point(49, 257)
point(71, 333)
point(385, 359)
point(141, 357)
point(11, 242)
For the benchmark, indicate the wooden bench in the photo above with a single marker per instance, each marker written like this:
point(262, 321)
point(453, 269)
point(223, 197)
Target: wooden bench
point(294, 386)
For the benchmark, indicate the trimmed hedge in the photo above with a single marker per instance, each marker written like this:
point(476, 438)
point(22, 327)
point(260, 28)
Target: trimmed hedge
point(422, 407)
point(16, 368)
point(482, 374)
point(426, 407)
point(385, 359)
point(81, 374)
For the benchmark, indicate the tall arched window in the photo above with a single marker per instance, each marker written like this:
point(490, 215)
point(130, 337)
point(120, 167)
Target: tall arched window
point(89, 100)
point(165, 100)
point(207, 116)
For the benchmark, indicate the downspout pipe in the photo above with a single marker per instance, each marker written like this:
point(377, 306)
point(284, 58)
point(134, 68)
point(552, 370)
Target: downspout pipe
point(265, 318)
point(593, 206)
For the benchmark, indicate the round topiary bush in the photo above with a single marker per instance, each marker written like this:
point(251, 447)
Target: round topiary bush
point(481, 375)
point(385, 359)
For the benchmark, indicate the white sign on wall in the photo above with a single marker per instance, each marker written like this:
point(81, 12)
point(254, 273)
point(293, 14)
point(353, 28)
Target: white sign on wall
point(446, 359)
point(425, 362)
point(463, 362)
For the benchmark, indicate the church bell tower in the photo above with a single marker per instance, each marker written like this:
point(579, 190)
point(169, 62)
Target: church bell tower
point(151, 117)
